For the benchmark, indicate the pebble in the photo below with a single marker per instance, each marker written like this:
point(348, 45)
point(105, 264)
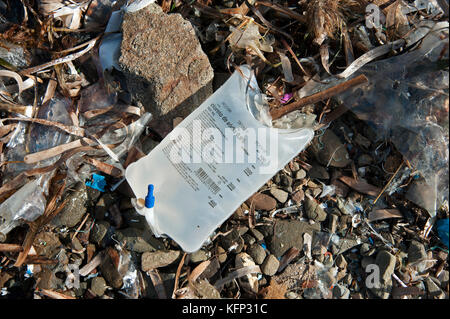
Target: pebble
point(157, 259)
point(98, 232)
point(75, 209)
point(433, 290)
point(341, 262)
point(221, 254)
point(249, 281)
point(248, 239)
point(443, 279)
point(262, 202)
point(314, 211)
point(232, 242)
point(318, 172)
point(198, 256)
point(289, 233)
point(332, 223)
point(257, 234)
point(286, 181)
point(139, 240)
point(329, 150)
point(301, 174)
point(270, 265)
point(298, 196)
point(279, 194)
point(341, 292)
point(364, 160)
point(386, 263)
point(98, 286)
point(257, 253)
point(416, 252)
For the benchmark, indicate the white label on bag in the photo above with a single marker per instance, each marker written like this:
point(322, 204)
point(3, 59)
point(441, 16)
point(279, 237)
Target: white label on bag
point(211, 162)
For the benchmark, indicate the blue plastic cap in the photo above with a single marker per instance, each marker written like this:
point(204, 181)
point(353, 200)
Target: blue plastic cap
point(150, 199)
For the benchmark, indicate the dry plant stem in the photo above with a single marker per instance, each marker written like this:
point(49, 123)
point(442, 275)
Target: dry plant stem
point(389, 182)
point(11, 248)
point(51, 152)
point(317, 97)
point(177, 276)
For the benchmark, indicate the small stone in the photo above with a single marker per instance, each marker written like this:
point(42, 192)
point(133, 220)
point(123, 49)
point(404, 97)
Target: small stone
point(257, 234)
point(329, 150)
point(294, 166)
point(443, 279)
point(333, 222)
point(288, 234)
point(364, 160)
point(221, 254)
point(301, 174)
point(76, 245)
point(279, 194)
point(386, 263)
point(362, 141)
point(270, 265)
point(366, 250)
point(257, 253)
point(98, 286)
point(341, 262)
point(314, 211)
point(242, 230)
point(291, 295)
point(262, 202)
point(366, 261)
point(198, 256)
point(109, 270)
point(341, 189)
point(286, 181)
point(250, 281)
point(232, 242)
point(152, 260)
point(341, 292)
point(318, 172)
point(298, 196)
point(416, 252)
point(206, 290)
point(103, 205)
point(248, 239)
point(75, 209)
point(433, 290)
point(99, 231)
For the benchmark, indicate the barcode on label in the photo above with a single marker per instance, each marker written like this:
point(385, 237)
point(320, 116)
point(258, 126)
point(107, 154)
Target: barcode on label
point(248, 171)
point(212, 203)
point(205, 179)
point(231, 186)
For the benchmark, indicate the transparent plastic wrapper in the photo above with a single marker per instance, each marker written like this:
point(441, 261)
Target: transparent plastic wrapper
point(40, 137)
point(27, 203)
point(212, 162)
point(406, 101)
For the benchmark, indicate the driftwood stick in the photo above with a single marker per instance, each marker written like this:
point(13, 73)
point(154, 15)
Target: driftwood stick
point(317, 97)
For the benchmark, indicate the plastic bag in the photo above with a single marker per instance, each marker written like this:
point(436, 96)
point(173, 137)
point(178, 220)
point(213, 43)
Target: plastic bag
point(406, 101)
point(27, 203)
point(200, 182)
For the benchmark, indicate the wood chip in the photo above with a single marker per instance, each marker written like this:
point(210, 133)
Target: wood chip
point(10, 248)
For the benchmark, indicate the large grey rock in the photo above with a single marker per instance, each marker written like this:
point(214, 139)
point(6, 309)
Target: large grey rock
point(386, 263)
point(257, 253)
point(270, 265)
point(164, 64)
point(139, 240)
point(314, 211)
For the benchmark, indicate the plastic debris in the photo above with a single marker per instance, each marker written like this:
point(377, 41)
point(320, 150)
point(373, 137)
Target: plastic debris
point(443, 229)
point(196, 182)
point(98, 182)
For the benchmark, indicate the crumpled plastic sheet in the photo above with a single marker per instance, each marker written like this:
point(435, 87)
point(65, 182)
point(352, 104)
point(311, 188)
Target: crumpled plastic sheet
point(41, 137)
point(406, 101)
point(28, 203)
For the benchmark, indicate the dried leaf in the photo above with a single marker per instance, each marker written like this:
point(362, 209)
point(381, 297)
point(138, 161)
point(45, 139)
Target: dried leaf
point(361, 186)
